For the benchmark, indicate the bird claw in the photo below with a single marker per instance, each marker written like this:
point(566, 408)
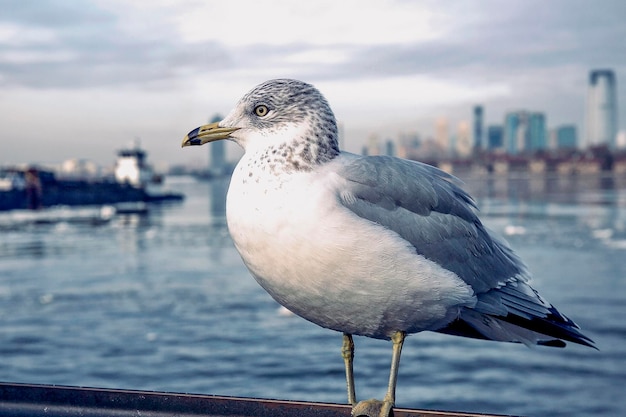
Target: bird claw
point(372, 408)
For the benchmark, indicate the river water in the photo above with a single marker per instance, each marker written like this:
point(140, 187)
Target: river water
point(161, 301)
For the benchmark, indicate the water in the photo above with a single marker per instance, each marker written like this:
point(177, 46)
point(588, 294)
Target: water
point(163, 302)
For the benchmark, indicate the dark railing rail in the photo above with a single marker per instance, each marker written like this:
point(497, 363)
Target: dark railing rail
point(28, 400)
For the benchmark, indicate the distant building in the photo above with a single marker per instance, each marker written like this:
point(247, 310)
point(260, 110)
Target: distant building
point(495, 137)
point(620, 140)
point(512, 127)
point(390, 148)
point(373, 145)
point(524, 132)
point(601, 113)
point(566, 137)
point(537, 139)
point(408, 145)
point(463, 145)
point(478, 127)
point(217, 154)
point(442, 135)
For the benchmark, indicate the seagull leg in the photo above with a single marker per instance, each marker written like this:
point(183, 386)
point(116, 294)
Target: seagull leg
point(375, 408)
point(390, 398)
point(347, 351)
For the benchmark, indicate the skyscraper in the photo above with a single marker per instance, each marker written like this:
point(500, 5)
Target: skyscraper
point(537, 138)
point(390, 148)
point(442, 136)
point(494, 137)
point(217, 153)
point(524, 132)
point(601, 115)
point(478, 127)
point(566, 137)
point(373, 145)
point(463, 145)
point(511, 128)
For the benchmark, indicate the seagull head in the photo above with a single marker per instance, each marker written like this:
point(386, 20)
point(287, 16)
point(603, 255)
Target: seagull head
point(286, 115)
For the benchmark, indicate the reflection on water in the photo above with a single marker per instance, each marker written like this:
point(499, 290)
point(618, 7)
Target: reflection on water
point(600, 189)
point(218, 189)
point(162, 301)
point(597, 204)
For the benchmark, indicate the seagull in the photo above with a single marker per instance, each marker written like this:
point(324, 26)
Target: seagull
point(374, 246)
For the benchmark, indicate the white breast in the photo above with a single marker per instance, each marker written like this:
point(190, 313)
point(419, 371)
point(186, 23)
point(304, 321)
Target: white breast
point(330, 266)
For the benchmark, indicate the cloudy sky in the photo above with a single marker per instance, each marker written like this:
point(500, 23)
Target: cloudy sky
point(84, 78)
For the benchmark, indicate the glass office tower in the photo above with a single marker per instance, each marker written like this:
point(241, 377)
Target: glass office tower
point(601, 114)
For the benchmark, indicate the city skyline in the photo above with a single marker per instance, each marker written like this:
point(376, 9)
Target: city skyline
point(527, 131)
point(81, 80)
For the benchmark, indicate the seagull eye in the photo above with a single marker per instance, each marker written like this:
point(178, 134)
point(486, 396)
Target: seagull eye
point(261, 110)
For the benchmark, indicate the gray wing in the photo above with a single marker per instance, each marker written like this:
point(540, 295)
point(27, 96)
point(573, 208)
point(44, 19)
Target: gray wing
point(426, 207)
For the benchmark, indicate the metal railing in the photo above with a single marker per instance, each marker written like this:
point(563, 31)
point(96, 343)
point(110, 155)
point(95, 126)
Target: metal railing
point(29, 400)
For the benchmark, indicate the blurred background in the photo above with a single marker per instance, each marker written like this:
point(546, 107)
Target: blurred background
point(116, 267)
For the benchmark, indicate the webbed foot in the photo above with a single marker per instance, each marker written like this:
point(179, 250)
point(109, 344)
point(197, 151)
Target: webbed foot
point(373, 408)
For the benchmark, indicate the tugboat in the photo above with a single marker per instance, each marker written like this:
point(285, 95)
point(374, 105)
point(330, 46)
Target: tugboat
point(131, 168)
point(133, 185)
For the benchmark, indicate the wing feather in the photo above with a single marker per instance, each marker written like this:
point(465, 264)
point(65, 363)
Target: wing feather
point(427, 208)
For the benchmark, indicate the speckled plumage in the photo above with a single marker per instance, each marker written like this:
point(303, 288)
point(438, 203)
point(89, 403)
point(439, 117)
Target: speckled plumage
point(299, 103)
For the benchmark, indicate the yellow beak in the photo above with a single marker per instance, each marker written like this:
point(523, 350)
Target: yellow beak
point(207, 133)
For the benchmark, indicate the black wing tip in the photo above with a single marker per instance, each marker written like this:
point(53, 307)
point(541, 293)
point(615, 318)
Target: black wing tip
point(557, 327)
point(581, 339)
point(559, 343)
point(549, 333)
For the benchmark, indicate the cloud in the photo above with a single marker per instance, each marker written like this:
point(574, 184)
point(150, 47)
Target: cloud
point(393, 60)
point(76, 45)
point(316, 23)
